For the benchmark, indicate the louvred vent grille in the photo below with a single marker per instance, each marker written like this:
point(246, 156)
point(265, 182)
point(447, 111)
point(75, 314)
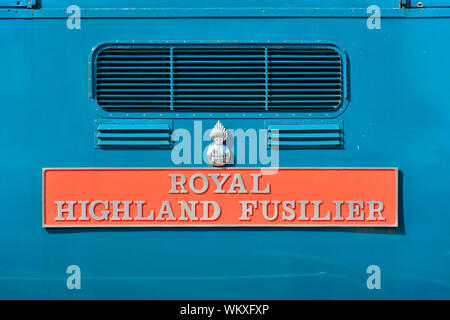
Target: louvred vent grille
point(131, 134)
point(219, 78)
point(306, 135)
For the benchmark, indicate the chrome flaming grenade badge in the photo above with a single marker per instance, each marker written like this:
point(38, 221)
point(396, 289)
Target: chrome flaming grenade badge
point(218, 154)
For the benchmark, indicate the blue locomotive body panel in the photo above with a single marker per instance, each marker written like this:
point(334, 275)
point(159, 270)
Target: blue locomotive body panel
point(397, 114)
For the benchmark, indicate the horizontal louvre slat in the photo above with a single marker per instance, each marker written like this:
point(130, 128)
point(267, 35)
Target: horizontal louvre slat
point(119, 91)
point(222, 77)
point(134, 106)
point(189, 96)
point(215, 89)
point(305, 127)
point(306, 55)
point(134, 81)
point(115, 127)
point(133, 143)
point(143, 96)
point(304, 101)
point(281, 136)
point(302, 61)
point(124, 135)
point(304, 78)
point(223, 68)
point(285, 96)
point(218, 79)
point(217, 107)
point(132, 73)
point(227, 73)
point(296, 68)
point(306, 143)
point(215, 56)
point(218, 63)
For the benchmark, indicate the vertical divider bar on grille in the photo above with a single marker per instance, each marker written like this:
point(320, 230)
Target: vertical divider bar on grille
point(219, 78)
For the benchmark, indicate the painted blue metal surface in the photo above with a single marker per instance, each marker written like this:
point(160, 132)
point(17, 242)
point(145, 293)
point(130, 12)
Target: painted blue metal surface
point(398, 116)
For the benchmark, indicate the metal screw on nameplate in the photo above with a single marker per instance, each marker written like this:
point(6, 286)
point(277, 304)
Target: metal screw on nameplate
point(218, 154)
point(374, 20)
point(74, 280)
point(74, 20)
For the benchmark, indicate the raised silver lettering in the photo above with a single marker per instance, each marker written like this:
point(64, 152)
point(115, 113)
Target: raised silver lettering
point(247, 210)
point(176, 183)
point(69, 210)
point(188, 211)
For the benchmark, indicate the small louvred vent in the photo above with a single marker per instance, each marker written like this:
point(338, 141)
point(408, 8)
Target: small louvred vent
point(306, 135)
point(146, 78)
point(128, 134)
